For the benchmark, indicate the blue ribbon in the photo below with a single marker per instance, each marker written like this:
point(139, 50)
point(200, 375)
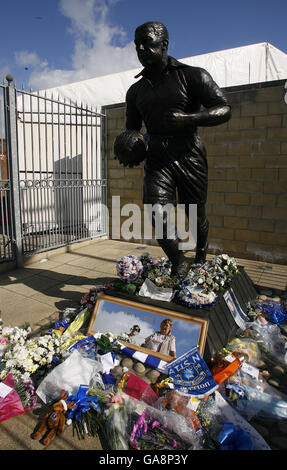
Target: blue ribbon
point(234, 438)
point(82, 402)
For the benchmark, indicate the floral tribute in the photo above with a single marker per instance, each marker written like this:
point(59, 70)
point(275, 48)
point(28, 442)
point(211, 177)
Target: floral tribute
point(24, 361)
point(156, 270)
point(199, 288)
point(34, 356)
point(202, 284)
point(129, 268)
point(148, 433)
point(134, 413)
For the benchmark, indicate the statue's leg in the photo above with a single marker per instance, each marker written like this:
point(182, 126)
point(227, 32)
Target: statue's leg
point(202, 235)
point(170, 242)
point(160, 188)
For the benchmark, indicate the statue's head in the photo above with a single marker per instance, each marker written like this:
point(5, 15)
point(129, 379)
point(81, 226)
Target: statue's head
point(151, 40)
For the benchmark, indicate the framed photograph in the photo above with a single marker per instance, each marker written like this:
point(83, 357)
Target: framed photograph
point(235, 309)
point(165, 334)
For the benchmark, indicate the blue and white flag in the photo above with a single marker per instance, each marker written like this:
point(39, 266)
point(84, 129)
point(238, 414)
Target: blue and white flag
point(191, 375)
point(147, 359)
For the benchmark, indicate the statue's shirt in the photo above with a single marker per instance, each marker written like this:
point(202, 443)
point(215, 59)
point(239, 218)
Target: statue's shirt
point(181, 88)
point(176, 159)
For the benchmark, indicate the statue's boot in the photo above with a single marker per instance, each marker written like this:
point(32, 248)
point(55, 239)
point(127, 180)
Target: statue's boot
point(180, 264)
point(200, 256)
point(202, 243)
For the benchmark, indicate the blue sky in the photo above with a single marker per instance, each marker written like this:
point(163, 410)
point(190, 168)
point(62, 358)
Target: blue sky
point(48, 43)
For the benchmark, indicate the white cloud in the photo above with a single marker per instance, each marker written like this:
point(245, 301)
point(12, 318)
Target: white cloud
point(25, 58)
point(95, 52)
point(121, 322)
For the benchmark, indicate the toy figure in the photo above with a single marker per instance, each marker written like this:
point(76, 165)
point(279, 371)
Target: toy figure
point(54, 421)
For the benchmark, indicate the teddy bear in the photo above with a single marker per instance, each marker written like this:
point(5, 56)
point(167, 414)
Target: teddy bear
point(54, 420)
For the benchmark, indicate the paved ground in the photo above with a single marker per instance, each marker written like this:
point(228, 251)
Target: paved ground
point(48, 284)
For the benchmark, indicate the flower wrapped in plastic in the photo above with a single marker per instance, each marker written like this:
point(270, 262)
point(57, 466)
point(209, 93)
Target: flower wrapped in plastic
point(247, 347)
point(132, 424)
point(183, 405)
point(148, 433)
point(224, 428)
point(129, 268)
point(254, 397)
point(271, 342)
point(10, 402)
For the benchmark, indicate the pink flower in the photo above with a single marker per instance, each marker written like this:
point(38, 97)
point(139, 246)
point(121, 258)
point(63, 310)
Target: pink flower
point(155, 261)
point(3, 340)
point(155, 423)
point(135, 444)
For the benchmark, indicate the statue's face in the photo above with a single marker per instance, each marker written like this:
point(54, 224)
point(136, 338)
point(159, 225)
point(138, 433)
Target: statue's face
point(151, 49)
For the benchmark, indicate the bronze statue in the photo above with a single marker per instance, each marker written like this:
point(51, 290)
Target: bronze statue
point(173, 99)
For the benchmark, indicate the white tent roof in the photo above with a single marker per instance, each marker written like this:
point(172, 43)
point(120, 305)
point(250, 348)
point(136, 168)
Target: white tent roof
point(255, 63)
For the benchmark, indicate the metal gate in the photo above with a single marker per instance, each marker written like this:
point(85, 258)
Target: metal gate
point(54, 190)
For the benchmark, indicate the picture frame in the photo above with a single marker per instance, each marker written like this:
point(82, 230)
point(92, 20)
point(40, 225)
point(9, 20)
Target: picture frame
point(118, 316)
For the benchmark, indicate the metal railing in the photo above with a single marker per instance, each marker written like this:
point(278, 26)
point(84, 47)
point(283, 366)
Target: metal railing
point(55, 186)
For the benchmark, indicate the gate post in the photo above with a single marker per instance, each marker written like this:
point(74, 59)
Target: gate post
point(12, 158)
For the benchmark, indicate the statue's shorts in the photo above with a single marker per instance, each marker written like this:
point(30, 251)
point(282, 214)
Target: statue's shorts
point(175, 171)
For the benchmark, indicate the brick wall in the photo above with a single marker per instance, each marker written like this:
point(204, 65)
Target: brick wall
point(247, 157)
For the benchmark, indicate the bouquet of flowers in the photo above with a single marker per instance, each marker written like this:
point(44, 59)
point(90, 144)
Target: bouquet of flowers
point(88, 300)
point(149, 433)
point(107, 342)
point(129, 268)
point(157, 270)
point(9, 336)
point(130, 423)
point(222, 268)
point(227, 263)
point(32, 358)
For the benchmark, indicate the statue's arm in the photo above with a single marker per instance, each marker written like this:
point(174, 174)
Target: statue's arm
point(215, 109)
point(206, 117)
